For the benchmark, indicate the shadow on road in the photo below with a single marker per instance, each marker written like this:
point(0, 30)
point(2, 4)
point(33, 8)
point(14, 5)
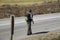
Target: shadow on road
point(40, 32)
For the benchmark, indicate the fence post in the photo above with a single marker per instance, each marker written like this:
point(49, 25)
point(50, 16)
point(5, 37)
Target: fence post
point(12, 26)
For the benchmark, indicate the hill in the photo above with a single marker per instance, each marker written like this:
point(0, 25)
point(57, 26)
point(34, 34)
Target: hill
point(38, 8)
point(22, 1)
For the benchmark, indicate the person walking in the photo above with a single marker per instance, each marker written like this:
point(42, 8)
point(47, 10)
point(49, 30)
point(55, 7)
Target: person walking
point(29, 19)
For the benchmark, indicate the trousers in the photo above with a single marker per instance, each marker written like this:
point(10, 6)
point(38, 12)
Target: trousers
point(29, 32)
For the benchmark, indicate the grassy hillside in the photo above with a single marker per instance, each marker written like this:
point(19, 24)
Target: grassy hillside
point(37, 8)
point(16, 1)
point(19, 2)
point(23, 2)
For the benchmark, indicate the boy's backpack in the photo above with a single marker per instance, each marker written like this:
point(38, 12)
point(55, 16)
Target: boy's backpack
point(30, 16)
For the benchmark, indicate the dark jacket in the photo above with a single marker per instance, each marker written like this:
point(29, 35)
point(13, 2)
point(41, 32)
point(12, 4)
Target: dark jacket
point(29, 17)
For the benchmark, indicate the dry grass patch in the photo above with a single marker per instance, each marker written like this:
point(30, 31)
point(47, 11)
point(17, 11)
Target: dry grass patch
point(54, 35)
point(19, 9)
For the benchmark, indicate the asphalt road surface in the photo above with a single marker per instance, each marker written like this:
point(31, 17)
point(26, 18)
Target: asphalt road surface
point(42, 23)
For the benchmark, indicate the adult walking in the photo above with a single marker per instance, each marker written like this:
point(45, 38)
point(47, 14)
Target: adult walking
point(29, 19)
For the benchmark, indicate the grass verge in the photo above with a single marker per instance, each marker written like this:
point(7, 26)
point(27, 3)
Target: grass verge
point(54, 35)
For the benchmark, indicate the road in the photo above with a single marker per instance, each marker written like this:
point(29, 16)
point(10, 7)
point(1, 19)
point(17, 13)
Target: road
point(46, 22)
